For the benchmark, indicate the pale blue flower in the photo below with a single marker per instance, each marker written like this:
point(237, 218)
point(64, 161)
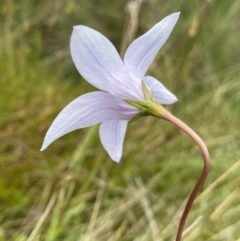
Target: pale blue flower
point(99, 63)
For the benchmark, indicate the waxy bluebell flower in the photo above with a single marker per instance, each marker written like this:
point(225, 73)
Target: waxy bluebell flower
point(123, 84)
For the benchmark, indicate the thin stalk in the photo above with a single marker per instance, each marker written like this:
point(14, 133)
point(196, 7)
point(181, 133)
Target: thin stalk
point(206, 159)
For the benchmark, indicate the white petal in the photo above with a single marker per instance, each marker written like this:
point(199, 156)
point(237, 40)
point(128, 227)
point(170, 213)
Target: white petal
point(112, 133)
point(88, 110)
point(99, 63)
point(160, 92)
point(143, 50)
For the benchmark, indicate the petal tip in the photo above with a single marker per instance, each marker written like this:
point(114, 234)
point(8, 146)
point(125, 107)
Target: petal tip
point(175, 15)
point(175, 99)
point(116, 160)
point(44, 146)
point(172, 98)
point(116, 157)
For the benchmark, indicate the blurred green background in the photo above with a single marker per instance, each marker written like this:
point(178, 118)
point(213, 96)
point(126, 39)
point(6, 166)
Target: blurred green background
point(73, 191)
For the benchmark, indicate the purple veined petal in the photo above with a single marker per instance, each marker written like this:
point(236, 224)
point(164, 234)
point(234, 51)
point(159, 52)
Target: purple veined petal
point(87, 110)
point(112, 133)
point(143, 50)
point(160, 92)
point(99, 63)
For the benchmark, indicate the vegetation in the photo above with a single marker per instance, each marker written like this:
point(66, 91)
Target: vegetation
point(73, 191)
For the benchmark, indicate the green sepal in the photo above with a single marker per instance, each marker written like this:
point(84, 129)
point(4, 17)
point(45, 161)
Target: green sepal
point(138, 116)
point(147, 107)
point(141, 105)
point(147, 93)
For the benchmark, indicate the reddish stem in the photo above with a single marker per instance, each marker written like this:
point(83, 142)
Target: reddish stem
point(171, 118)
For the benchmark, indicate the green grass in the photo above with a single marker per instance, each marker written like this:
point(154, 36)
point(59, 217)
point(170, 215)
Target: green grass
point(73, 191)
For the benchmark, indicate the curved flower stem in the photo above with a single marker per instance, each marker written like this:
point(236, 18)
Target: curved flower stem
point(171, 118)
